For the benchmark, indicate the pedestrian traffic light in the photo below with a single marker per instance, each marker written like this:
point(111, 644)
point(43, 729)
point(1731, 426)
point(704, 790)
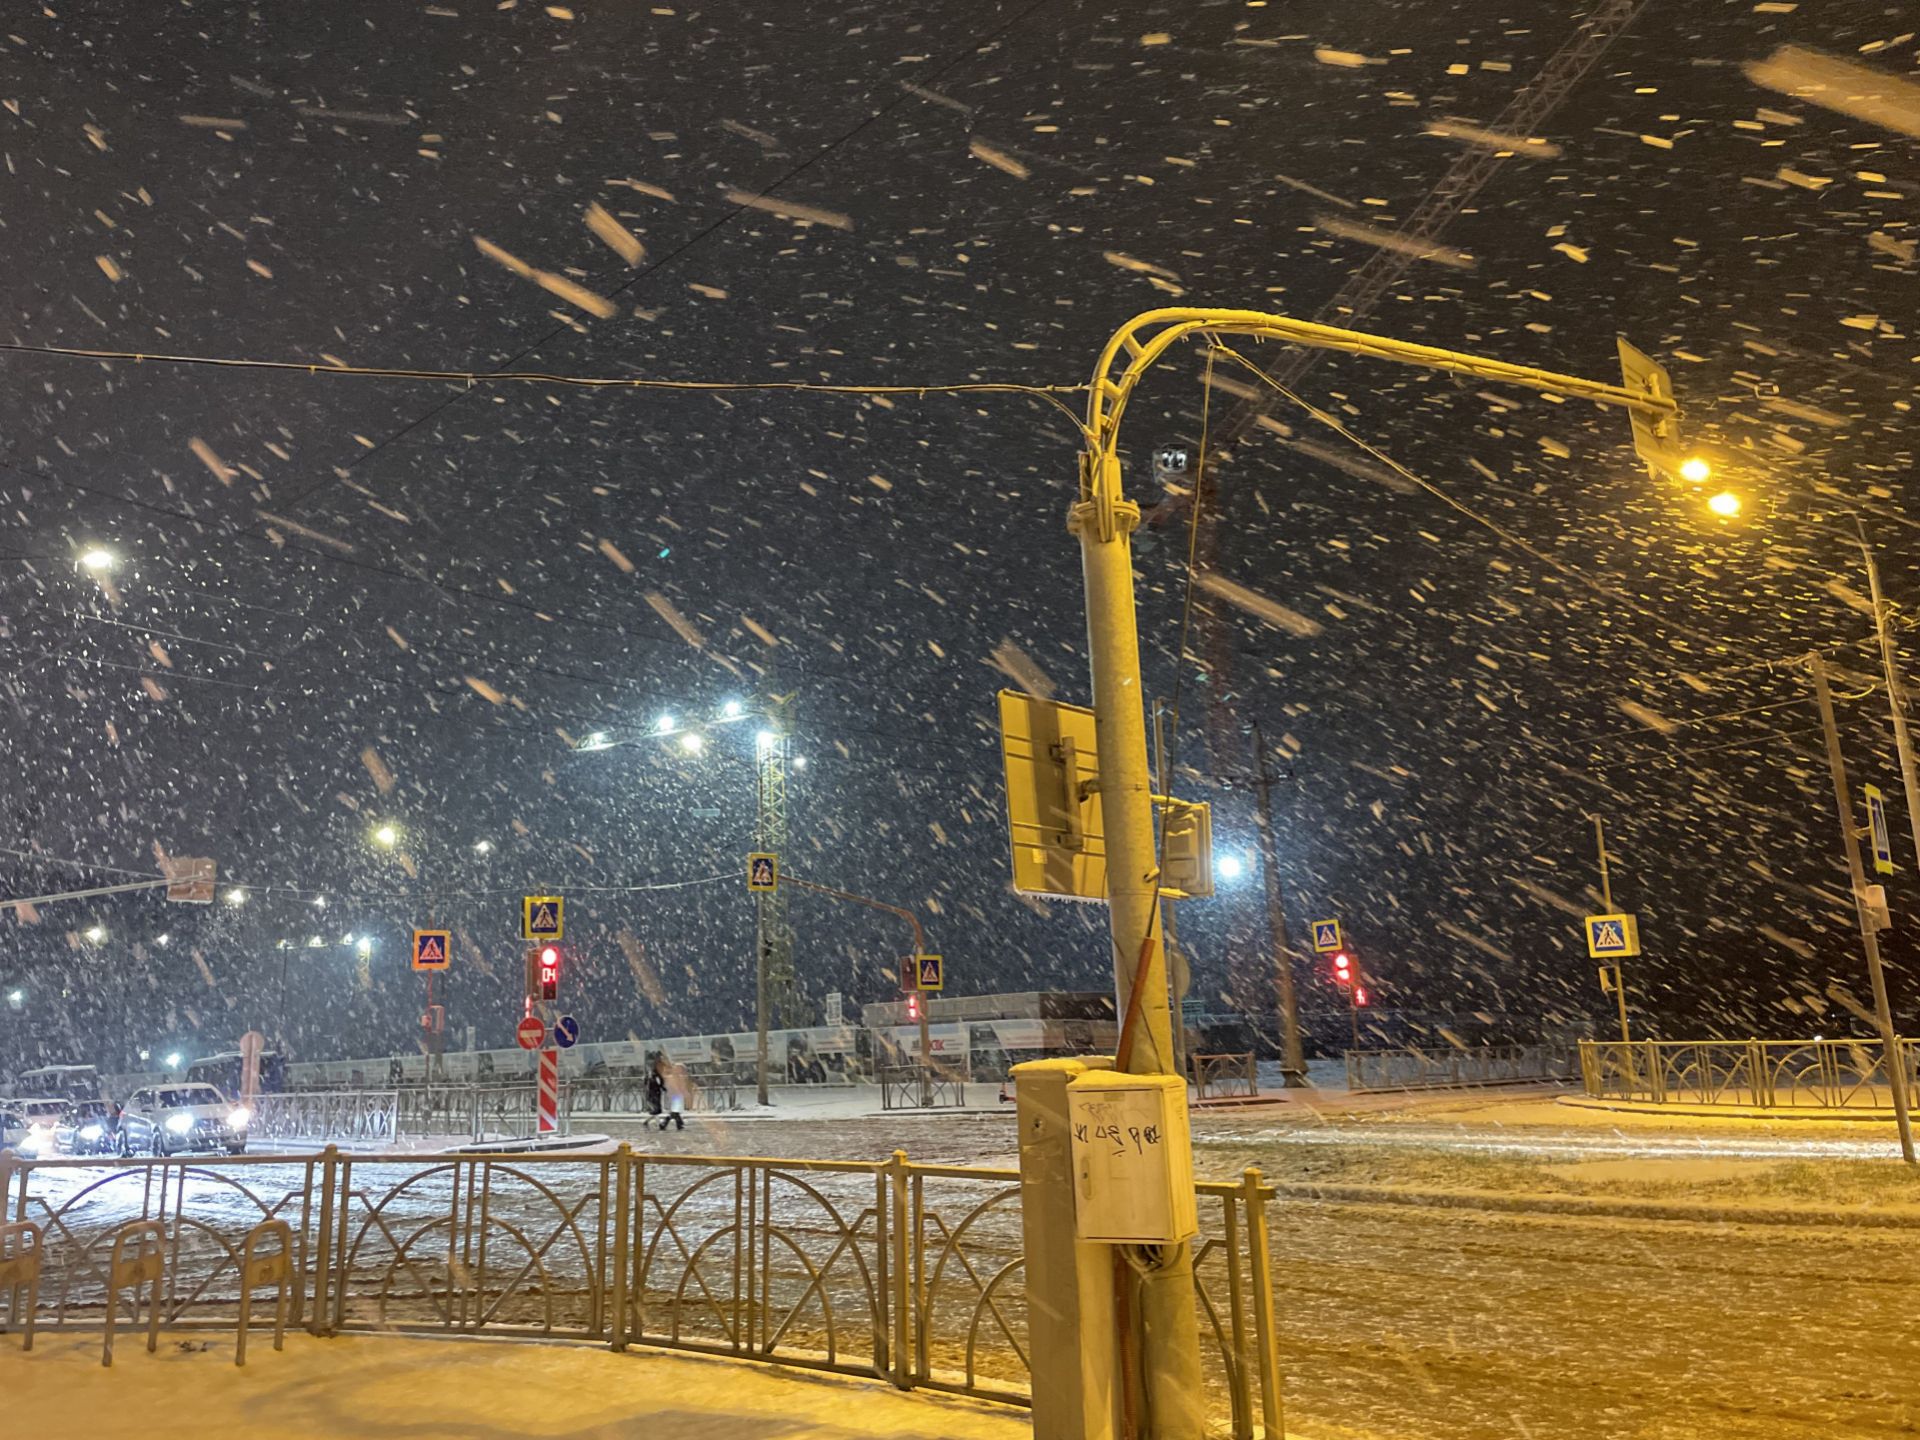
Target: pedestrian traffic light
point(1342, 968)
point(549, 972)
point(1360, 995)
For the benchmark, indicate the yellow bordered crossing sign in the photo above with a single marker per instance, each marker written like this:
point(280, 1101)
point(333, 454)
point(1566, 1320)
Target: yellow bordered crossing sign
point(432, 949)
point(1613, 937)
point(1326, 936)
point(763, 872)
point(542, 917)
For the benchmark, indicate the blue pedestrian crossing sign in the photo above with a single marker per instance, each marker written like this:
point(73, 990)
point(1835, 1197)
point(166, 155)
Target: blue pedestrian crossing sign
point(1326, 936)
point(1613, 937)
point(542, 917)
point(566, 1030)
point(432, 949)
point(763, 872)
point(929, 972)
point(1877, 822)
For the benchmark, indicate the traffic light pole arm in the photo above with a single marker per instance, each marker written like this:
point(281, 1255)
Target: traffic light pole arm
point(1146, 337)
point(919, 935)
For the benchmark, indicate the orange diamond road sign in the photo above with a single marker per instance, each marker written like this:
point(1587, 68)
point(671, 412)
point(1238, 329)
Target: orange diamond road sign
point(432, 949)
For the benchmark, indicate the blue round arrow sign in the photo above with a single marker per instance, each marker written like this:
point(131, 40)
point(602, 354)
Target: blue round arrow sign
point(566, 1030)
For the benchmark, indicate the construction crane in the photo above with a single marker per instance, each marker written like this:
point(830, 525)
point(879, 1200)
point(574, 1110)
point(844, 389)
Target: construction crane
point(1364, 288)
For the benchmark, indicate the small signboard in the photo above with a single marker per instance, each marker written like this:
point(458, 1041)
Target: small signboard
point(763, 872)
point(566, 1030)
point(1326, 936)
point(1613, 937)
point(542, 917)
point(1877, 823)
point(530, 1033)
point(432, 949)
point(192, 881)
point(929, 972)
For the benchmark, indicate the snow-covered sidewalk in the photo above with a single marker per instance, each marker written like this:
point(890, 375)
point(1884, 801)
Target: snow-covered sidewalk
point(369, 1386)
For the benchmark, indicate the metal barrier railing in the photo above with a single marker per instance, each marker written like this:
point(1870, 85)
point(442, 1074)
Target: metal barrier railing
point(715, 1090)
point(478, 1112)
point(1217, 1077)
point(326, 1115)
point(1841, 1074)
point(1411, 1069)
point(910, 1273)
point(913, 1087)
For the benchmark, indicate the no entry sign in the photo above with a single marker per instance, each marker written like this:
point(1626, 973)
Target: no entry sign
point(530, 1033)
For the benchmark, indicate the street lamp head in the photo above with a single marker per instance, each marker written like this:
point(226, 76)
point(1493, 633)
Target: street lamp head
point(732, 710)
point(364, 945)
point(96, 933)
point(97, 560)
point(663, 725)
point(1229, 867)
point(1694, 470)
point(799, 762)
point(483, 847)
point(386, 835)
point(692, 743)
point(16, 998)
point(236, 897)
point(1726, 504)
point(173, 1060)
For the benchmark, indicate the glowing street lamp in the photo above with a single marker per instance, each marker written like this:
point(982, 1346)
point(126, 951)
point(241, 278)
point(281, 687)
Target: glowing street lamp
point(692, 742)
point(1229, 867)
point(1726, 504)
point(387, 835)
point(1694, 470)
point(97, 560)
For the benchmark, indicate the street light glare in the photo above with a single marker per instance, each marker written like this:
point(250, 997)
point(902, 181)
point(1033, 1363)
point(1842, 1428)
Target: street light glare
point(1229, 867)
point(236, 897)
point(482, 847)
point(732, 710)
point(664, 725)
point(173, 1060)
point(386, 835)
point(1695, 470)
point(1726, 504)
point(799, 762)
point(97, 933)
point(691, 743)
point(97, 560)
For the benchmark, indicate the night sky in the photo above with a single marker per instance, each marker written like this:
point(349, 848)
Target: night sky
point(343, 602)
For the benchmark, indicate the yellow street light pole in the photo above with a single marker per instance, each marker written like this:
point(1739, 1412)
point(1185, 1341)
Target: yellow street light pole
point(1103, 520)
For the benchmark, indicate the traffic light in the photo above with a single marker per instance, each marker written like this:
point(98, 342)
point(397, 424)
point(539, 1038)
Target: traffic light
point(1360, 995)
point(913, 1006)
point(543, 973)
point(1342, 968)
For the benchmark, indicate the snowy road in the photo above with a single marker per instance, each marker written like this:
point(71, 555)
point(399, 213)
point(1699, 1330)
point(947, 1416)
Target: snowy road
point(1402, 1322)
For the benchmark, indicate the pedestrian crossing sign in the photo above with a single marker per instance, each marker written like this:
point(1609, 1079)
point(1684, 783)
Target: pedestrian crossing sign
point(1613, 937)
point(1326, 936)
point(432, 949)
point(763, 872)
point(929, 972)
point(542, 917)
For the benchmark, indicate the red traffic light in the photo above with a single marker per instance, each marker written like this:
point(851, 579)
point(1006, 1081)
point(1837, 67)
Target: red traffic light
point(913, 1005)
point(1360, 995)
point(549, 964)
point(1342, 968)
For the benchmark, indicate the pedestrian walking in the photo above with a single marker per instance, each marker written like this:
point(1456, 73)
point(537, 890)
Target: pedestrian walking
point(679, 1092)
point(656, 1092)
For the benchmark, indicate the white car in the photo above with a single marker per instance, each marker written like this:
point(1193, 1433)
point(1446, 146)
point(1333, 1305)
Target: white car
point(37, 1118)
point(166, 1119)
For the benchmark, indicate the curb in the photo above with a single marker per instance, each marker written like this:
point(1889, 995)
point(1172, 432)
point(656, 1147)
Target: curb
point(1726, 1112)
point(1692, 1211)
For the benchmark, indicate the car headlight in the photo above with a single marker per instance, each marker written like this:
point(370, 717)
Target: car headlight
point(91, 1132)
point(239, 1117)
point(179, 1124)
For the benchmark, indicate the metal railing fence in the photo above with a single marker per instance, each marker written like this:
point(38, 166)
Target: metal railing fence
point(1216, 1077)
point(1457, 1065)
point(1840, 1074)
point(913, 1087)
point(326, 1115)
point(910, 1273)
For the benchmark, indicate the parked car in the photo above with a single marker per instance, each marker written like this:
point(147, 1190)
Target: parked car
point(37, 1118)
point(87, 1127)
point(13, 1128)
point(167, 1119)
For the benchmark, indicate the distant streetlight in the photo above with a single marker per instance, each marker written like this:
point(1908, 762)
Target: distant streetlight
point(97, 933)
point(173, 1059)
point(365, 945)
point(1695, 470)
point(596, 741)
point(799, 762)
point(16, 998)
point(236, 897)
point(1726, 504)
point(664, 725)
point(1229, 867)
point(765, 739)
point(319, 902)
point(483, 847)
point(387, 835)
point(161, 940)
point(692, 742)
point(97, 560)
point(732, 710)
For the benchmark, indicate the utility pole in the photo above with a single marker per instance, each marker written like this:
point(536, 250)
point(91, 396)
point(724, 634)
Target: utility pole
point(1104, 521)
point(1293, 1065)
point(1606, 904)
point(1180, 972)
point(1896, 692)
point(1869, 939)
point(773, 981)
